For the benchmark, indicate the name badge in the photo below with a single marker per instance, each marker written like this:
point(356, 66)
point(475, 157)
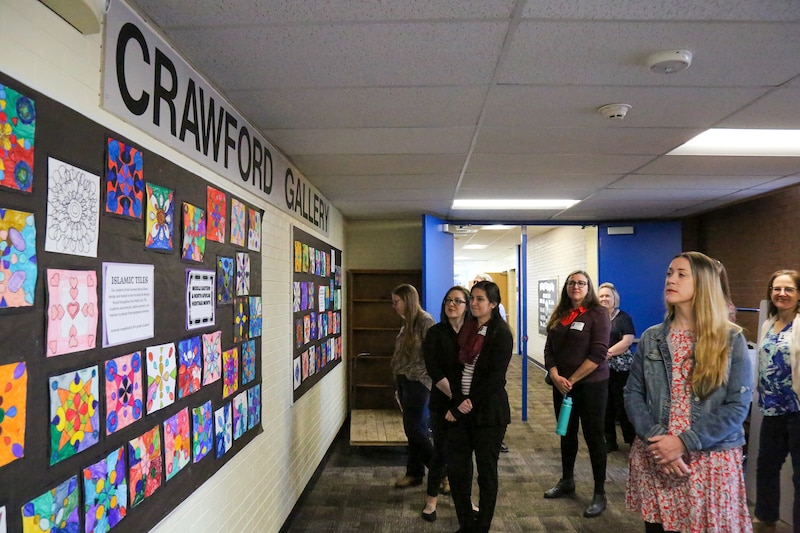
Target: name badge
point(783, 336)
point(577, 326)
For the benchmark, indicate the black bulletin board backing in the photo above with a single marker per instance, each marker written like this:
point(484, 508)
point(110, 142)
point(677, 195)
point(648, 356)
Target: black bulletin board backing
point(73, 138)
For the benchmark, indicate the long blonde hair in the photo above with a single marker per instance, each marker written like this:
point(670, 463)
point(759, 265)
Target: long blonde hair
point(411, 315)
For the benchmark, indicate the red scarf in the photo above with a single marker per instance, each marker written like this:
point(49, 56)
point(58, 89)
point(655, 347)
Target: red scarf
point(570, 318)
point(470, 341)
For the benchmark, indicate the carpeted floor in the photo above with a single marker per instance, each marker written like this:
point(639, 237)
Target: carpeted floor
point(354, 490)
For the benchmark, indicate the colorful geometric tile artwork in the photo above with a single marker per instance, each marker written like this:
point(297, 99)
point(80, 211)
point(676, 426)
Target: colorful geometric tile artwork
point(242, 274)
point(71, 311)
point(124, 180)
point(105, 492)
point(296, 296)
point(194, 233)
point(54, 511)
point(253, 406)
point(296, 375)
point(223, 429)
point(202, 431)
point(190, 367)
point(124, 403)
point(17, 133)
point(74, 415)
point(238, 222)
point(160, 223)
point(248, 362)
point(241, 319)
point(239, 414)
point(254, 230)
point(177, 444)
point(212, 357)
point(73, 212)
point(18, 269)
point(230, 371)
point(146, 465)
point(225, 280)
point(161, 376)
point(13, 410)
point(255, 316)
point(217, 210)
point(298, 256)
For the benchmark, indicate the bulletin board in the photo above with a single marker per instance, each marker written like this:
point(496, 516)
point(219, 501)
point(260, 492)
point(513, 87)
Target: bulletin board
point(317, 310)
point(130, 324)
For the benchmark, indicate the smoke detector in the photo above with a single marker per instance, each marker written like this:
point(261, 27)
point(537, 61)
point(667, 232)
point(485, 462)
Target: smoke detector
point(614, 111)
point(669, 61)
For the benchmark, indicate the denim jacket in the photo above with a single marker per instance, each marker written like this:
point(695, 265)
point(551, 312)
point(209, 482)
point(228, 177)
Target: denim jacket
point(716, 421)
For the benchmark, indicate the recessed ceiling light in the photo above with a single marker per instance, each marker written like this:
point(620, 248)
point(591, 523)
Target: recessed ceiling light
point(513, 204)
point(497, 227)
point(743, 142)
point(474, 246)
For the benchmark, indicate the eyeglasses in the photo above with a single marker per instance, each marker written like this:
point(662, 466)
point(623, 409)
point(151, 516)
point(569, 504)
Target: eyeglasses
point(454, 301)
point(787, 290)
point(580, 284)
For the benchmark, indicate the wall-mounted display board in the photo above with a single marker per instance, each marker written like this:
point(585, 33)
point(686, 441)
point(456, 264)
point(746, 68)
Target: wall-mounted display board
point(130, 324)
point(317, 306)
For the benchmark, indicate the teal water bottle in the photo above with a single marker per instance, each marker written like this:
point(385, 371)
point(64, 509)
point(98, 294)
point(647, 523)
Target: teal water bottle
point(563, 416)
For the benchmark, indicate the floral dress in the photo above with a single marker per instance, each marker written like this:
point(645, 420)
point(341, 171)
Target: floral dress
point(712, 497)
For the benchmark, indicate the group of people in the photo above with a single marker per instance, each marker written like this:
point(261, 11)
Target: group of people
point(681, 399)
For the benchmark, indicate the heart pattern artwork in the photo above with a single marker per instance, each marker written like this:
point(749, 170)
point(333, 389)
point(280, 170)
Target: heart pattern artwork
point(71, 311)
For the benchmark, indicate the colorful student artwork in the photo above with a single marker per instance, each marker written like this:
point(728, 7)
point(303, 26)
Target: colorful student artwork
point(17, 132)
point(223, 430)
point(105, 492)
point(177, 444)
point(239, 414)
point(144, 455)
point(296, 296)
point(254, 230)
point(54, 511)
point(242, 273)
point(71, 311)
point(225, 280)
point(298, 256)
point(255, 316)
point(212, 357)
point(296, 375)
point(253, 406)
point(230, 371)
point(190, 353)
point(216, 205)
point(161, 376)
point(13, 408)
point(18, 268)
point(124, 404)
point(241, 319)
point(74, 414)
point(194, 233)
point(124, 180)
point(73, 210)
point(160, 223)
point(248, 362)
point(238, 222)
point(202, 431)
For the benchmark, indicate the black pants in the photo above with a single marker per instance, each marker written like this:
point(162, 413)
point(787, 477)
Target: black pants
point(438, 466)
point(780, 436)
point(615, 409)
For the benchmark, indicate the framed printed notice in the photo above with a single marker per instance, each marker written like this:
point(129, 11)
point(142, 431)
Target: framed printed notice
point(128, 303)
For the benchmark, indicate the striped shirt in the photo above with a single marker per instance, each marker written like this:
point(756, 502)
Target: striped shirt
point(466, 376)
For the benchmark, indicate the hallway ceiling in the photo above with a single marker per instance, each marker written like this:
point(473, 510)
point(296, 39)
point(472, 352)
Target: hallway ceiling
point(394, 108)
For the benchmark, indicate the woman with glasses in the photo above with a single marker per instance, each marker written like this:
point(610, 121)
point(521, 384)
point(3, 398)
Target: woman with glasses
point(575, 359)
point(778, 388)
point(440, 350)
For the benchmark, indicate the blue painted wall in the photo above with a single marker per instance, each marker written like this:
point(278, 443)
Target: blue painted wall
point(437, 264)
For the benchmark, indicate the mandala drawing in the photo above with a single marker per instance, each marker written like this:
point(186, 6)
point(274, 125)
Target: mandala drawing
point(17, 132)
point(296, 296)
point(296, 374)
point(254, 230)
point(225, 280)
point(194, 233)
point(71, 311)
point(223, 429)
point(298, 256)
point(54, 511)
point(73, 210)
point(241, 319)
point(190, 367)
point(238, 222)
point(253, 406)
point(248, 362)
point(255, 317)
point(124, 180)
point(74, 418)
point(242, 274)
point(239, 415)
point(230, 371)
point(161, 376)
point(160, 222)
point(217, 210)
point(124, 403)
point(13, 409)
point(177, 444)
point(212, 357)
point(18, 268)
point(146, 465)
point(105, 492)
point(202, 431)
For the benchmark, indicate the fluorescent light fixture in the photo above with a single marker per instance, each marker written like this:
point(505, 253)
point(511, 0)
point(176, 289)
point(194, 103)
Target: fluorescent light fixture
point(513, 204)
point(741, 142)
point(474, 246)
point(498, 227)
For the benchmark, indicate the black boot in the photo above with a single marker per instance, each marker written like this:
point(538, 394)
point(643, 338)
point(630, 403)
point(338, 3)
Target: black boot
point(564, 487)
point(597, 506)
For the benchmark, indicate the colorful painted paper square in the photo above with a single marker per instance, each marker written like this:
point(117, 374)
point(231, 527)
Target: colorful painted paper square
point(297, 376)
point(202, 431)
point(296, 296)
point(177, 444)
point(238, 222)
point(124, 400)
point(73, 210)
point(248, 362)
point(105, 492)
point(230, 371)
point(18, 268)
point(225, 280)
point(54, 511)
point(194, 233)
point(212, 357)
point(124, 180)
point(217, 206)
point(161, 376)
point(190, 353)
point(254, 230)
point(242, 273)
point(223, 429)
point(146, 465)
point(239, 414)
point(298, 256)
point(241, 318)
point(253, 406)
point(74, 415)
point(255, 316)
point(71, 311)
point(13, 406)
point(17, 133)
point(160, 225)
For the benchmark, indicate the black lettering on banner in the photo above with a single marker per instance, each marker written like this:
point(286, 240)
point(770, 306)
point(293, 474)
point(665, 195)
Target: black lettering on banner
point(160, 92)
point(230, 120)
point(244, 172)
point(190, 123)
point(127, 33)
point(289, 189)
point(210, 133)
point(267, 183)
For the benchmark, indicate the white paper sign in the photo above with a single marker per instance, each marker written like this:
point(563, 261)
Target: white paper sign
point(128, 303)
point(200, 298)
